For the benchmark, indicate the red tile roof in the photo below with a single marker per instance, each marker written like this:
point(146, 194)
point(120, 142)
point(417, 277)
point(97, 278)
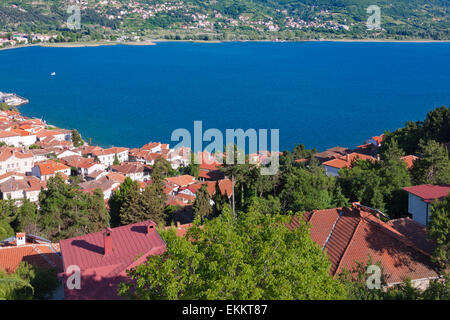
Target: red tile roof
point(351, 235)
point(50, 167)
point(181, 181)
point(346, 161)
point(429, 192)
point(39, 255)
point(100, 273)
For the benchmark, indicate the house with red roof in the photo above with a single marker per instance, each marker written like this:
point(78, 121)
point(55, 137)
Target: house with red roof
point(107, 156)
point(351, 235)
point(29, 248)
point(18, 187)
point(48, 169)
point(104, 257)
point(13, 159)
point(134, 170)
point(333, 166)
point(420, 199)
point(84, 166)
point(181, 181)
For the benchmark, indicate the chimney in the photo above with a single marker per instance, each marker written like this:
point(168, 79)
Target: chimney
point(150, 228)
point(178, 224)
point(107, 237)
point(20, 239)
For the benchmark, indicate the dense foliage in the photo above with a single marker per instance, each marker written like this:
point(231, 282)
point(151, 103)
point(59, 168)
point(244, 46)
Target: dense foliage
point(251, 256)
point(129, 205)
point(439, 230)
point(27, 282)
point(66, 211)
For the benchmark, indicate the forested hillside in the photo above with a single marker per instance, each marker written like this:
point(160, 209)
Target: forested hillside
point(230, 19)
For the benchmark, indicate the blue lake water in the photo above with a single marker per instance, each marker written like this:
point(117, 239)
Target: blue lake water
point(321, 94)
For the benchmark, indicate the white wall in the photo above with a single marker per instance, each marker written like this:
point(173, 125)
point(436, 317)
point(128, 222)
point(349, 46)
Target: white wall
point(331, 171)
point(16, 164)
point(418, 208)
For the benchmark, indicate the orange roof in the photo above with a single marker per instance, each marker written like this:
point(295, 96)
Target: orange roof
point(115, 176)
point(182, 181)
point(40, 255)
point(346, 160)
point(21, 132)
point(409, 160)
point(78, 161)
point(350, 235)
point(6, 134)
point(7, 152)
point(113, 150)
point(50, 167)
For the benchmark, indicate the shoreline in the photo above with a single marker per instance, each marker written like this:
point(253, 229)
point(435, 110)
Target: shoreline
point(155, 42)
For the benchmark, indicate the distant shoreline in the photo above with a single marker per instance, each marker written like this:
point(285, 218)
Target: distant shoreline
point(154, 42)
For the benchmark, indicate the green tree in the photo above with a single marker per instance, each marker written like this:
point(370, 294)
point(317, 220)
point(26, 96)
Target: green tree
point(437, 124)
point(434, 165)
point(194, 168)
point(26, 220)
point(28, 282)
point(377, 185)
point(116, 161)
point(6, 230)
point(392, 151)
point(153, 198)
point(131, 209)
point(339, 199)
point(439, 230)
point(66, 211)
point(253, 256)
point(202, 206)
point(117, 199)
point(220, 200)
point(306, 189)
point(99, 215)
point(76, 138)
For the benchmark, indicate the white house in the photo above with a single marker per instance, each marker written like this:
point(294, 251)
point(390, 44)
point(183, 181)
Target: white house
point(17, 137)
point(107, 156)
point(46, 170)
point(420, 199)
point(13, 160)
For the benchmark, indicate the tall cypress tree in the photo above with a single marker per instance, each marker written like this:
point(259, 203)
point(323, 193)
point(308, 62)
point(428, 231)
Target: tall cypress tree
point(220, 200)
point(131, 209)
point(202, 206)
point(153, 200)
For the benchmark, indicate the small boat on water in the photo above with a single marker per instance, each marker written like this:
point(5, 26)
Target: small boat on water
point(53, 74)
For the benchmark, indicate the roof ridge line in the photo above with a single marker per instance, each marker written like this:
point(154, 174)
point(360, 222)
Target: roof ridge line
point(35, 248)
point(346, 247)
point(341, 212)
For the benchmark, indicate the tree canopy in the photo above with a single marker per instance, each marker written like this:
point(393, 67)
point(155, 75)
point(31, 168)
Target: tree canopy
point(252, 256)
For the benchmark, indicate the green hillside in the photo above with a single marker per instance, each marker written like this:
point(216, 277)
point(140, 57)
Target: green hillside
point(229, 19)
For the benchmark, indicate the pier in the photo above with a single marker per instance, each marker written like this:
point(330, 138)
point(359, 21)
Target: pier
point(12, 99)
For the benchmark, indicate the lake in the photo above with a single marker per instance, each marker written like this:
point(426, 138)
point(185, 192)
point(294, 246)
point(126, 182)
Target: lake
point(321, 94)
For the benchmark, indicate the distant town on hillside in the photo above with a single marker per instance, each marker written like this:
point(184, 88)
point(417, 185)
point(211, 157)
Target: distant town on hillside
point(27, 21)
